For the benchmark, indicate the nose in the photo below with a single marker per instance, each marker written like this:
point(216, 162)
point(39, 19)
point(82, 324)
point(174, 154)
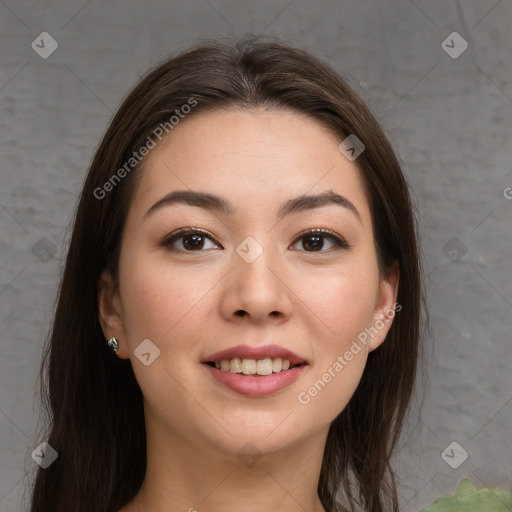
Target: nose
point(257, 291)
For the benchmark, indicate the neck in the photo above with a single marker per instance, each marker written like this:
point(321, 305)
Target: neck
point(181, 476)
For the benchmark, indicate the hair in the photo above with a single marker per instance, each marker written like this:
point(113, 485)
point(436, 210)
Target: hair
point(92, 401)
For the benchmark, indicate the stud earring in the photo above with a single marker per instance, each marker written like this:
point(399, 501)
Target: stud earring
point(113, 344)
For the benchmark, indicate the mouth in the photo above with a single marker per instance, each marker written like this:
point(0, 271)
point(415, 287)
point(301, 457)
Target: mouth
point(255, 371)
point(255, 367)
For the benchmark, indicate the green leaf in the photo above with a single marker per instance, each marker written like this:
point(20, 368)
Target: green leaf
point(468, 499)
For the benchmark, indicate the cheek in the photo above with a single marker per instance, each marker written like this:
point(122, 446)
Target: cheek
point(158, 299)
point(340, 358)
point(330, 389)
point(344, 301)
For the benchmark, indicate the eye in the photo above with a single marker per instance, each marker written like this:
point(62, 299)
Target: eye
point(190, 239)
point(314, 240)
point(193, 240)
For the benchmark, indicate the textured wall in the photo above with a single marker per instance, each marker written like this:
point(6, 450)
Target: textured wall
point(448, 115)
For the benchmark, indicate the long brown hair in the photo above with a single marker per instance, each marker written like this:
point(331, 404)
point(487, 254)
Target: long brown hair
point(95, 417)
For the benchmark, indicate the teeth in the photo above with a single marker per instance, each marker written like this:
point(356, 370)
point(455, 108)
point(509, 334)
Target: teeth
point(248, 366)
point(235, 365)
point(265, 366)
point(277, 365)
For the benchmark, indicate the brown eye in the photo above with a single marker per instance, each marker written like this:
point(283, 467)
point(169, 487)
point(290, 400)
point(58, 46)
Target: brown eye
point(313, 240)
point(189, 240)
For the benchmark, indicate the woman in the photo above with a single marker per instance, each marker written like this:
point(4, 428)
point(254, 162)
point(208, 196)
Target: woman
point(245, 244)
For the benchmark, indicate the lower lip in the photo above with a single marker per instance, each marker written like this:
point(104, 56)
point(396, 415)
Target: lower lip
point(257, 386)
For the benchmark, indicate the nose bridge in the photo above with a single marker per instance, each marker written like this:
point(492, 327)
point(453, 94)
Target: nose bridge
point(252, 262)
point(258, 290)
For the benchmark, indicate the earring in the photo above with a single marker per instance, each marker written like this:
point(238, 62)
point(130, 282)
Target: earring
point(113, 344)
point(381, 338)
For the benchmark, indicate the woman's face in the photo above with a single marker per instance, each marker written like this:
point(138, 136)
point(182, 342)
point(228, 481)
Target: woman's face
point(247, 278)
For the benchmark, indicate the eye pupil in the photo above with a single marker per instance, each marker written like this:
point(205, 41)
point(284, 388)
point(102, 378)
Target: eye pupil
point(198, 241)
point(317, 243)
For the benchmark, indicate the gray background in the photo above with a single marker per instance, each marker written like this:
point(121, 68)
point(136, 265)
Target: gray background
point(449, 118)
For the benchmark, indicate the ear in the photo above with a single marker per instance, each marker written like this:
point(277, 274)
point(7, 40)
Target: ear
point(110, 312)
point(385, 306)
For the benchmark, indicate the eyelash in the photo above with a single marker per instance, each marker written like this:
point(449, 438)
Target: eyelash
point(338, 241)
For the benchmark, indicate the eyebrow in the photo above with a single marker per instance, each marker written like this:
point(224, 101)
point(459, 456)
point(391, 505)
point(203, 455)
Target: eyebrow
point(215, 203)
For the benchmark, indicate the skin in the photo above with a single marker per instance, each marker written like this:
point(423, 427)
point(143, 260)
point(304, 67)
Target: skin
point(312, 302)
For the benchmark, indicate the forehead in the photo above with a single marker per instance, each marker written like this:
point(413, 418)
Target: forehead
point(256, 157)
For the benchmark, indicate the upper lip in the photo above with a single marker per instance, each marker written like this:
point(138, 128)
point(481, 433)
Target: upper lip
point(260, 352)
